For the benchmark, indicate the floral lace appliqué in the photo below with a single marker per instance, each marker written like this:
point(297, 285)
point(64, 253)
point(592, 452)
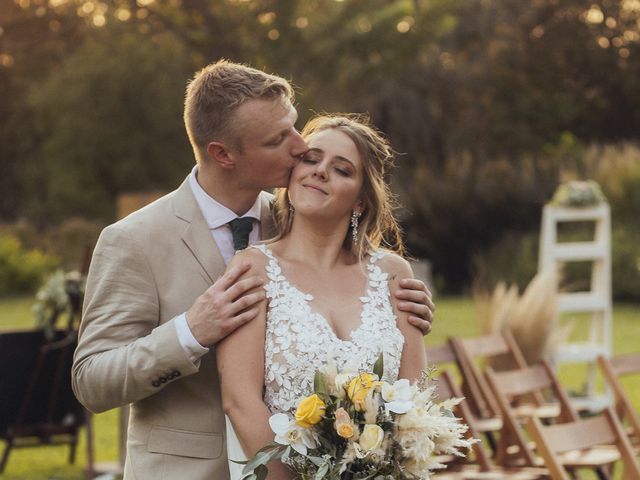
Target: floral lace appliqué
point(299, 340)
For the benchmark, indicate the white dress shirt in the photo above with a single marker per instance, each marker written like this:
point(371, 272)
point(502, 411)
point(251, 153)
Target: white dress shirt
point(217, 217)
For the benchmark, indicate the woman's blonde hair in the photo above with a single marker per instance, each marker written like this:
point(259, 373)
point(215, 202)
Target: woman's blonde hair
point(377, 226)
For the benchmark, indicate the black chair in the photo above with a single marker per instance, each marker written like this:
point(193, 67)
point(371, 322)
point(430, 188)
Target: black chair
point(37, 404)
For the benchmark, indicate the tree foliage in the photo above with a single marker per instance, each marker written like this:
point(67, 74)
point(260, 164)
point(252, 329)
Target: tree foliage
point(487, 101)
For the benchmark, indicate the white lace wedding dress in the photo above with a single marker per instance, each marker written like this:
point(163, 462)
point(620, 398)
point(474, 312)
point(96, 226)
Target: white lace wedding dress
point(299, 340)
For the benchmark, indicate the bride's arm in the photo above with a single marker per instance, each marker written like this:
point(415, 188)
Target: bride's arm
point(414, 358)
point(240, 359)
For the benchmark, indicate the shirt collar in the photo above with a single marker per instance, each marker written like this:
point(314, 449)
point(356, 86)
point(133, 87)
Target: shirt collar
point(216, 214)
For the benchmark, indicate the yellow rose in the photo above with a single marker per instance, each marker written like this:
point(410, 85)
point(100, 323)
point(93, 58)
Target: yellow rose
point(343, 423)
point(310, 411)
point(345, 430)
point(371, 438)
point(359, 387)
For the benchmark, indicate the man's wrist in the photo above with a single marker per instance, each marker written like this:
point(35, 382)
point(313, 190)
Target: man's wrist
point(192, 348)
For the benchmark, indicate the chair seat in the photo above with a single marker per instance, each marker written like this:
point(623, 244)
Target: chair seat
point(493, 424)
point(472, 472)
point(590, 457)
point(550, 410)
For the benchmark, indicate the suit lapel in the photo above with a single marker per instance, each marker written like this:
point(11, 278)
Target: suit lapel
point(196, 234)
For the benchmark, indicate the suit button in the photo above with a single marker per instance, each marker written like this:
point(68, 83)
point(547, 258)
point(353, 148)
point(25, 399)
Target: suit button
point(156, 383)
point(176, 373)
point(163, 379)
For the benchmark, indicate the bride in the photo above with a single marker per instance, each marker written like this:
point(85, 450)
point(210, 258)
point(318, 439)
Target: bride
point(327, 280)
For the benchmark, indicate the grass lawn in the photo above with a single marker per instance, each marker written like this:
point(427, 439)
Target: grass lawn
point(454, 317)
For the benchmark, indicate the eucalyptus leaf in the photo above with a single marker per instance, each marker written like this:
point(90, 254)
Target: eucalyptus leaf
point(378, 367)
point(319, 387)
point(322, 471)
point(263, 457)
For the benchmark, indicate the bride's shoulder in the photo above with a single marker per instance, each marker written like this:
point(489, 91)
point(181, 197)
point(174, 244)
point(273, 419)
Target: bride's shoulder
point(393, 264)
point(253, 256)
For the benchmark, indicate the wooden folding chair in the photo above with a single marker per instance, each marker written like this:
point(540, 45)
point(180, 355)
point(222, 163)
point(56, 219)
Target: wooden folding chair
point(445, 354)
point(38, 406)
point(569, 446)
point(613, 368)
point(479, 466)
point(473, 354)
point(520, 394)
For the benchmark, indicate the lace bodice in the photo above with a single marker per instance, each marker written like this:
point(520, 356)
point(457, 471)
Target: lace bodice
point(299, 340)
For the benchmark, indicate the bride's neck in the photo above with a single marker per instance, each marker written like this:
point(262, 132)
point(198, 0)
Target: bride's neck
point(316, 244)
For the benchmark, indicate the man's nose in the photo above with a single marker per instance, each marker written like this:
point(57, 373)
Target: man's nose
point(299, 146)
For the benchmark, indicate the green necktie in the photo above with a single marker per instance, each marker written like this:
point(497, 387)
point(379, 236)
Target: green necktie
point(240, 229)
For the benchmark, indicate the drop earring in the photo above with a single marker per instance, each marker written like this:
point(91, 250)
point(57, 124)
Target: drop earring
point(354, 226)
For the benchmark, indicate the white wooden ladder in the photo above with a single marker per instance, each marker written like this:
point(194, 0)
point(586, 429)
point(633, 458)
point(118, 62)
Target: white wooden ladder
point(595, 302)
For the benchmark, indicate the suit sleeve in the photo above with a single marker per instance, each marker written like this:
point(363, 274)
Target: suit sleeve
point(123, 353)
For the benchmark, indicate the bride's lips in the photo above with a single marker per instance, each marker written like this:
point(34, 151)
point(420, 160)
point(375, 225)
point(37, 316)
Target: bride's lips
point(306, 185)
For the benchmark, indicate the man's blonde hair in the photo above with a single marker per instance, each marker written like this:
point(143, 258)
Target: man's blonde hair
point(216, 92)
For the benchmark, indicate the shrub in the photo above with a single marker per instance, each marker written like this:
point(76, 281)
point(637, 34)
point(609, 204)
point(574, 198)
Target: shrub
point(22, 270)
point(625, 259)
point(514, 259)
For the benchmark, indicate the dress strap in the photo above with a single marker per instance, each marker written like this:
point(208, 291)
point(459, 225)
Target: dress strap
point(266, 251)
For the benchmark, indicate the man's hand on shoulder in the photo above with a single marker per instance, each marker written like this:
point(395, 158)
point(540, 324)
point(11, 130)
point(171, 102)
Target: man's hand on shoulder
point(415, 299)
point(225, 306)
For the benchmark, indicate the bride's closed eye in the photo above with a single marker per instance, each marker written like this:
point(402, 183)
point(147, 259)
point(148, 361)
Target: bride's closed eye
point(310, 157)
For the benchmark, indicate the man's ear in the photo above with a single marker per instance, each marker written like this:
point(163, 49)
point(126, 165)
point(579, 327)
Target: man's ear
point(219, 154)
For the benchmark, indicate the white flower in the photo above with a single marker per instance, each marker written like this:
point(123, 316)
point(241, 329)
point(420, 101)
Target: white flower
point(288, 432)
point(397, 397)
point(371, 438)
point(341, 383)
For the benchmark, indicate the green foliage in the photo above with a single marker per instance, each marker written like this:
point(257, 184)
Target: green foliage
point(22, 270)
point(111, 122)
point(626, 263)
point(489, 103)
point(512, 259)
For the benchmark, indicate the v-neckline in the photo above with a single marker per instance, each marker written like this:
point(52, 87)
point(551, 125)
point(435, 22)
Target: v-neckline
point(308, 298)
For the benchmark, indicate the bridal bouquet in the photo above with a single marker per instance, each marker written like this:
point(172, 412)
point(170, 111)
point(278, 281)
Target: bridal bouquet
point(355, 426)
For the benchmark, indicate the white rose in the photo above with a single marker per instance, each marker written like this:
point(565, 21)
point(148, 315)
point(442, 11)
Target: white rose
point(371, 438)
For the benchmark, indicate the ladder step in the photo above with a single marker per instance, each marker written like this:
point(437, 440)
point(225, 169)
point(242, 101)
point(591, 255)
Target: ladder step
point(581, 302)
point(592, 403)
point(564, 214)
point(579, 352)
point(576, 251)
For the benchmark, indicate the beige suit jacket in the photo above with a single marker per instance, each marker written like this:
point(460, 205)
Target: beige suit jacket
point(147, 269)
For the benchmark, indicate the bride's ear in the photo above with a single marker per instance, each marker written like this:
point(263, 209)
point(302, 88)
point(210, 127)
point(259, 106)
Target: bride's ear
point(359, 207)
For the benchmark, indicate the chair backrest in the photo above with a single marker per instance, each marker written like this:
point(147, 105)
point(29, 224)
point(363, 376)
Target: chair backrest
point(603, 429)
point(441, 354)
point(512, 385)
point(620, 366)
point(473, 354)
point(447, 388)
point(35, 381)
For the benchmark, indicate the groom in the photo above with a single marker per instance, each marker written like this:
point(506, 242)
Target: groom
point(156, 303)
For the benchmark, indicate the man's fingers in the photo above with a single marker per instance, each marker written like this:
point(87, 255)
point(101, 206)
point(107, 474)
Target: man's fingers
point(231, 276)
point(416, 296)
point(416, 309)
point(245, 317)
point(240, 288)
point(421, 324)
point(246, 301)
point(415, 284)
